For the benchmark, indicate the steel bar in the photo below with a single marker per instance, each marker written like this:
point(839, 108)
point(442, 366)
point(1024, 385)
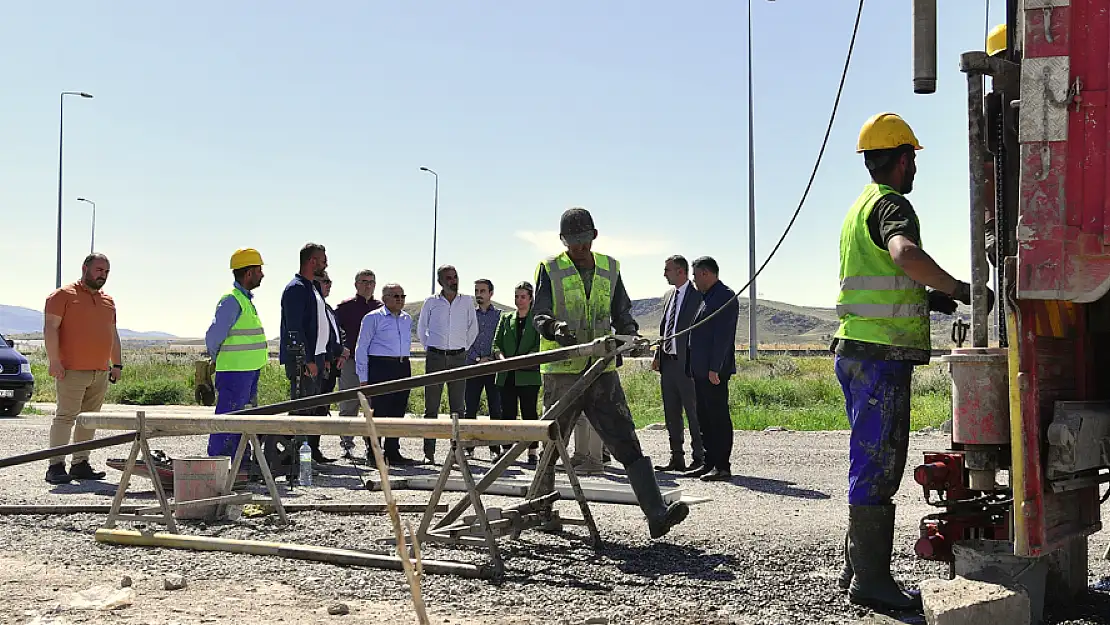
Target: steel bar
point(598, 348)
point(285, 550)
point(484, 430)
point(924, 42)
point(65, 450)
point(327, 508)
point(980, 270)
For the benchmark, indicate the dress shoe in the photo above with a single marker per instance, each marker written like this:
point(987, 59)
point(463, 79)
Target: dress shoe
point(698, 471)
point(676, 464)
point(82, 471)
point(397, 460)
point(56, 474)
point(717, 475)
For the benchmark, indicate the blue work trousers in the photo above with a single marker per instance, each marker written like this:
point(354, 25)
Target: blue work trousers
point(877, 399)
point(235, 390)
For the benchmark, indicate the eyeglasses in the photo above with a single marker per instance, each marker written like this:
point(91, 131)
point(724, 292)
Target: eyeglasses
point(366, 282)
point(397, 295)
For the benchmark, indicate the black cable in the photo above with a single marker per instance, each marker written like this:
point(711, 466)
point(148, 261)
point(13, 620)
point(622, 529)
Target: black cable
point(805, 194)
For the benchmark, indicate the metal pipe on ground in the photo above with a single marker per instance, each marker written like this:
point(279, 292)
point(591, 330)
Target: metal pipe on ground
point(285, 550)
point(328, 508)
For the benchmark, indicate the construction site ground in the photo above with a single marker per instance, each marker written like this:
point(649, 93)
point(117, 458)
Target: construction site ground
point(765, 550)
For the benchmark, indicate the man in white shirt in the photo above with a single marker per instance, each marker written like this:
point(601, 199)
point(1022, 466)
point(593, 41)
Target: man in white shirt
point(447, 328)
point(680, 304)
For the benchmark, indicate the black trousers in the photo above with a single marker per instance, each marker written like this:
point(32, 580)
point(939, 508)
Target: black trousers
point(327, 385)
point(715, 421)
point(523, 397)
point(386, 369)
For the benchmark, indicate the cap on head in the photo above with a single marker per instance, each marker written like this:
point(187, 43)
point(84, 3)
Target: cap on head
point(996, 40)
point(245, 257)
point(886, 131)
point(576, 226)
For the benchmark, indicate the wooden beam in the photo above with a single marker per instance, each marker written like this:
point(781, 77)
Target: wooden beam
point(484, 430)
point(283, 550)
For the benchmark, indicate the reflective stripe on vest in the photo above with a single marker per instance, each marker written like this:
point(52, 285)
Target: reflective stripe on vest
point(878, 302)
point(245, 347)
point(587, 317)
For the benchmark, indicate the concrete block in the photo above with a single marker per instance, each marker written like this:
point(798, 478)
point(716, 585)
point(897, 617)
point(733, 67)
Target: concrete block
point(962, 601)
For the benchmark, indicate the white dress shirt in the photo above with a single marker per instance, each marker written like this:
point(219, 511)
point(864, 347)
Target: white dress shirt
point(676, 304)
point(323, 327)
point(447, 325)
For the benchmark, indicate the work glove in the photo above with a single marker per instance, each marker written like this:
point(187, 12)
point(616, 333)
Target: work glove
point(563, 336)
point(941, 302)
point(204, 392)
point(963, 294)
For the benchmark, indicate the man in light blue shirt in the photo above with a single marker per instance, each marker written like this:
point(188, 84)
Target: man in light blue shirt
point(382, 355)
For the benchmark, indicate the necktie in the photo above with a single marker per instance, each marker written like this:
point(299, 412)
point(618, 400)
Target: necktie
point(669, 347)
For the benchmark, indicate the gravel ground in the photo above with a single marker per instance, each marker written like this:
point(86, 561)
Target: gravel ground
point(766, 549)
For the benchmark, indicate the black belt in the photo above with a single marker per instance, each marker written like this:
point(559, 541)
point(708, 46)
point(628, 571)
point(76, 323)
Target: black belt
point(389, 358)
point(447, 352)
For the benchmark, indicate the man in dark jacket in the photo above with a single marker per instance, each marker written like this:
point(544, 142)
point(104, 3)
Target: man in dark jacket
point(711, 359)
point(306, 340)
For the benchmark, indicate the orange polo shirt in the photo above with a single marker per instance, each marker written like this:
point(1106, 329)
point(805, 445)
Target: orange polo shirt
point(87, 333)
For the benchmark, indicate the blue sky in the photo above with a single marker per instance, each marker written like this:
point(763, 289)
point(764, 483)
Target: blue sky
point(268, 124)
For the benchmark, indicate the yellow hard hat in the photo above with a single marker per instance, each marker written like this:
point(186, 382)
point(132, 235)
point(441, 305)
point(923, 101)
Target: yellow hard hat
point(245, 257)
point(996, 40)
point(885, 131)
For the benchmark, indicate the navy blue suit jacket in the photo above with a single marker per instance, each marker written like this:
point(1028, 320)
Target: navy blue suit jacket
point(712, 346)
point(298, 314)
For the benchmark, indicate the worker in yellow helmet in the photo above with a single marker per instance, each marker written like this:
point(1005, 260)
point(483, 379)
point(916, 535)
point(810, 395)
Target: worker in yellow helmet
point(237, 343)
point(884, 309)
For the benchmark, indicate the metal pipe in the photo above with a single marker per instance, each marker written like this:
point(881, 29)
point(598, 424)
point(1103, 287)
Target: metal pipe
point(753, 339)
point(598, 348)
point(64, 450)
point(924, 46)
point(980, 270)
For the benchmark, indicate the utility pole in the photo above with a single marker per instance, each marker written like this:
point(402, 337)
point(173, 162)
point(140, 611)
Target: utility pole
point(435, 228)
point(753, 339)
point(61, 138)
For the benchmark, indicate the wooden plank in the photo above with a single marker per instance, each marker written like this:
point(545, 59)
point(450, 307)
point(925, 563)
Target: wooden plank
point(285, 550)
point(501, 431)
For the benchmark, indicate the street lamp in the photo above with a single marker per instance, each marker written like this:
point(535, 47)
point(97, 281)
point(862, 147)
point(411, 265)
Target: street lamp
point(92, 238)
point(753, 340)
point(435, 217)
point(61, 118)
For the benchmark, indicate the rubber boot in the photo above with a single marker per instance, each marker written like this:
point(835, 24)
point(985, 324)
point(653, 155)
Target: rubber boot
point(870, 544)
point(846, 573)
point(661, 517)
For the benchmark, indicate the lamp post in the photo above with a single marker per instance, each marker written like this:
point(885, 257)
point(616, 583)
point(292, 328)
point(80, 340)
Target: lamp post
point(753, 340)
point(61, 120)
point(92, 237)
point(435, 217)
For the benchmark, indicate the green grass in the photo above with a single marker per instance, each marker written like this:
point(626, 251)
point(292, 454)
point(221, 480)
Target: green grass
point(795, 393)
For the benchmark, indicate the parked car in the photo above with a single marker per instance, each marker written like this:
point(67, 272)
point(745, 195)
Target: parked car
point(16, 382)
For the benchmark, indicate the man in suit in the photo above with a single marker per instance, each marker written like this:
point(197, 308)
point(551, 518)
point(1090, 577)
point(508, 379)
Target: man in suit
point(710, 361)
point(680, 304)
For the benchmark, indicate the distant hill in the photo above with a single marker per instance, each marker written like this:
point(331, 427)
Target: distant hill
point(19, 320)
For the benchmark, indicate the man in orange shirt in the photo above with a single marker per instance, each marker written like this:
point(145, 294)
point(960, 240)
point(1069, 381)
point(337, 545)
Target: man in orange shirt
point(83, 347)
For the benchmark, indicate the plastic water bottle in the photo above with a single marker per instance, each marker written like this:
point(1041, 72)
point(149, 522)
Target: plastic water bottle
point(305, 478)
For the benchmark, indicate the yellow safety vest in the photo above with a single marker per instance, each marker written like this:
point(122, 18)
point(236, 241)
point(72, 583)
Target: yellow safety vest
point(587, 317)
point(245, 347)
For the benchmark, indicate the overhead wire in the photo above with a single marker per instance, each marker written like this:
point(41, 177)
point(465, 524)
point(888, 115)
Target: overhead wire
point(805, 194)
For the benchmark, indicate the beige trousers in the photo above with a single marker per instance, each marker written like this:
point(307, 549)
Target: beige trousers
point(587, 442)
point(78, 391)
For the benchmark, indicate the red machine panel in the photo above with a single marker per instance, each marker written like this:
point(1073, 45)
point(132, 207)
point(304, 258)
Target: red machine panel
point(1064, 213)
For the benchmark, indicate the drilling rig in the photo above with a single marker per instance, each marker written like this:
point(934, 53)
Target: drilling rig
point(1033, 404)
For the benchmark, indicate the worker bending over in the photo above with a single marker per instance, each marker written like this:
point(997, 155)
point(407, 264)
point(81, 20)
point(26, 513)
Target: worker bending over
point(580, 297)
point(884, 331)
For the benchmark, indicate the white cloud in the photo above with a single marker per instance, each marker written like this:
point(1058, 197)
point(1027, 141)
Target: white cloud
point(547, 242)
